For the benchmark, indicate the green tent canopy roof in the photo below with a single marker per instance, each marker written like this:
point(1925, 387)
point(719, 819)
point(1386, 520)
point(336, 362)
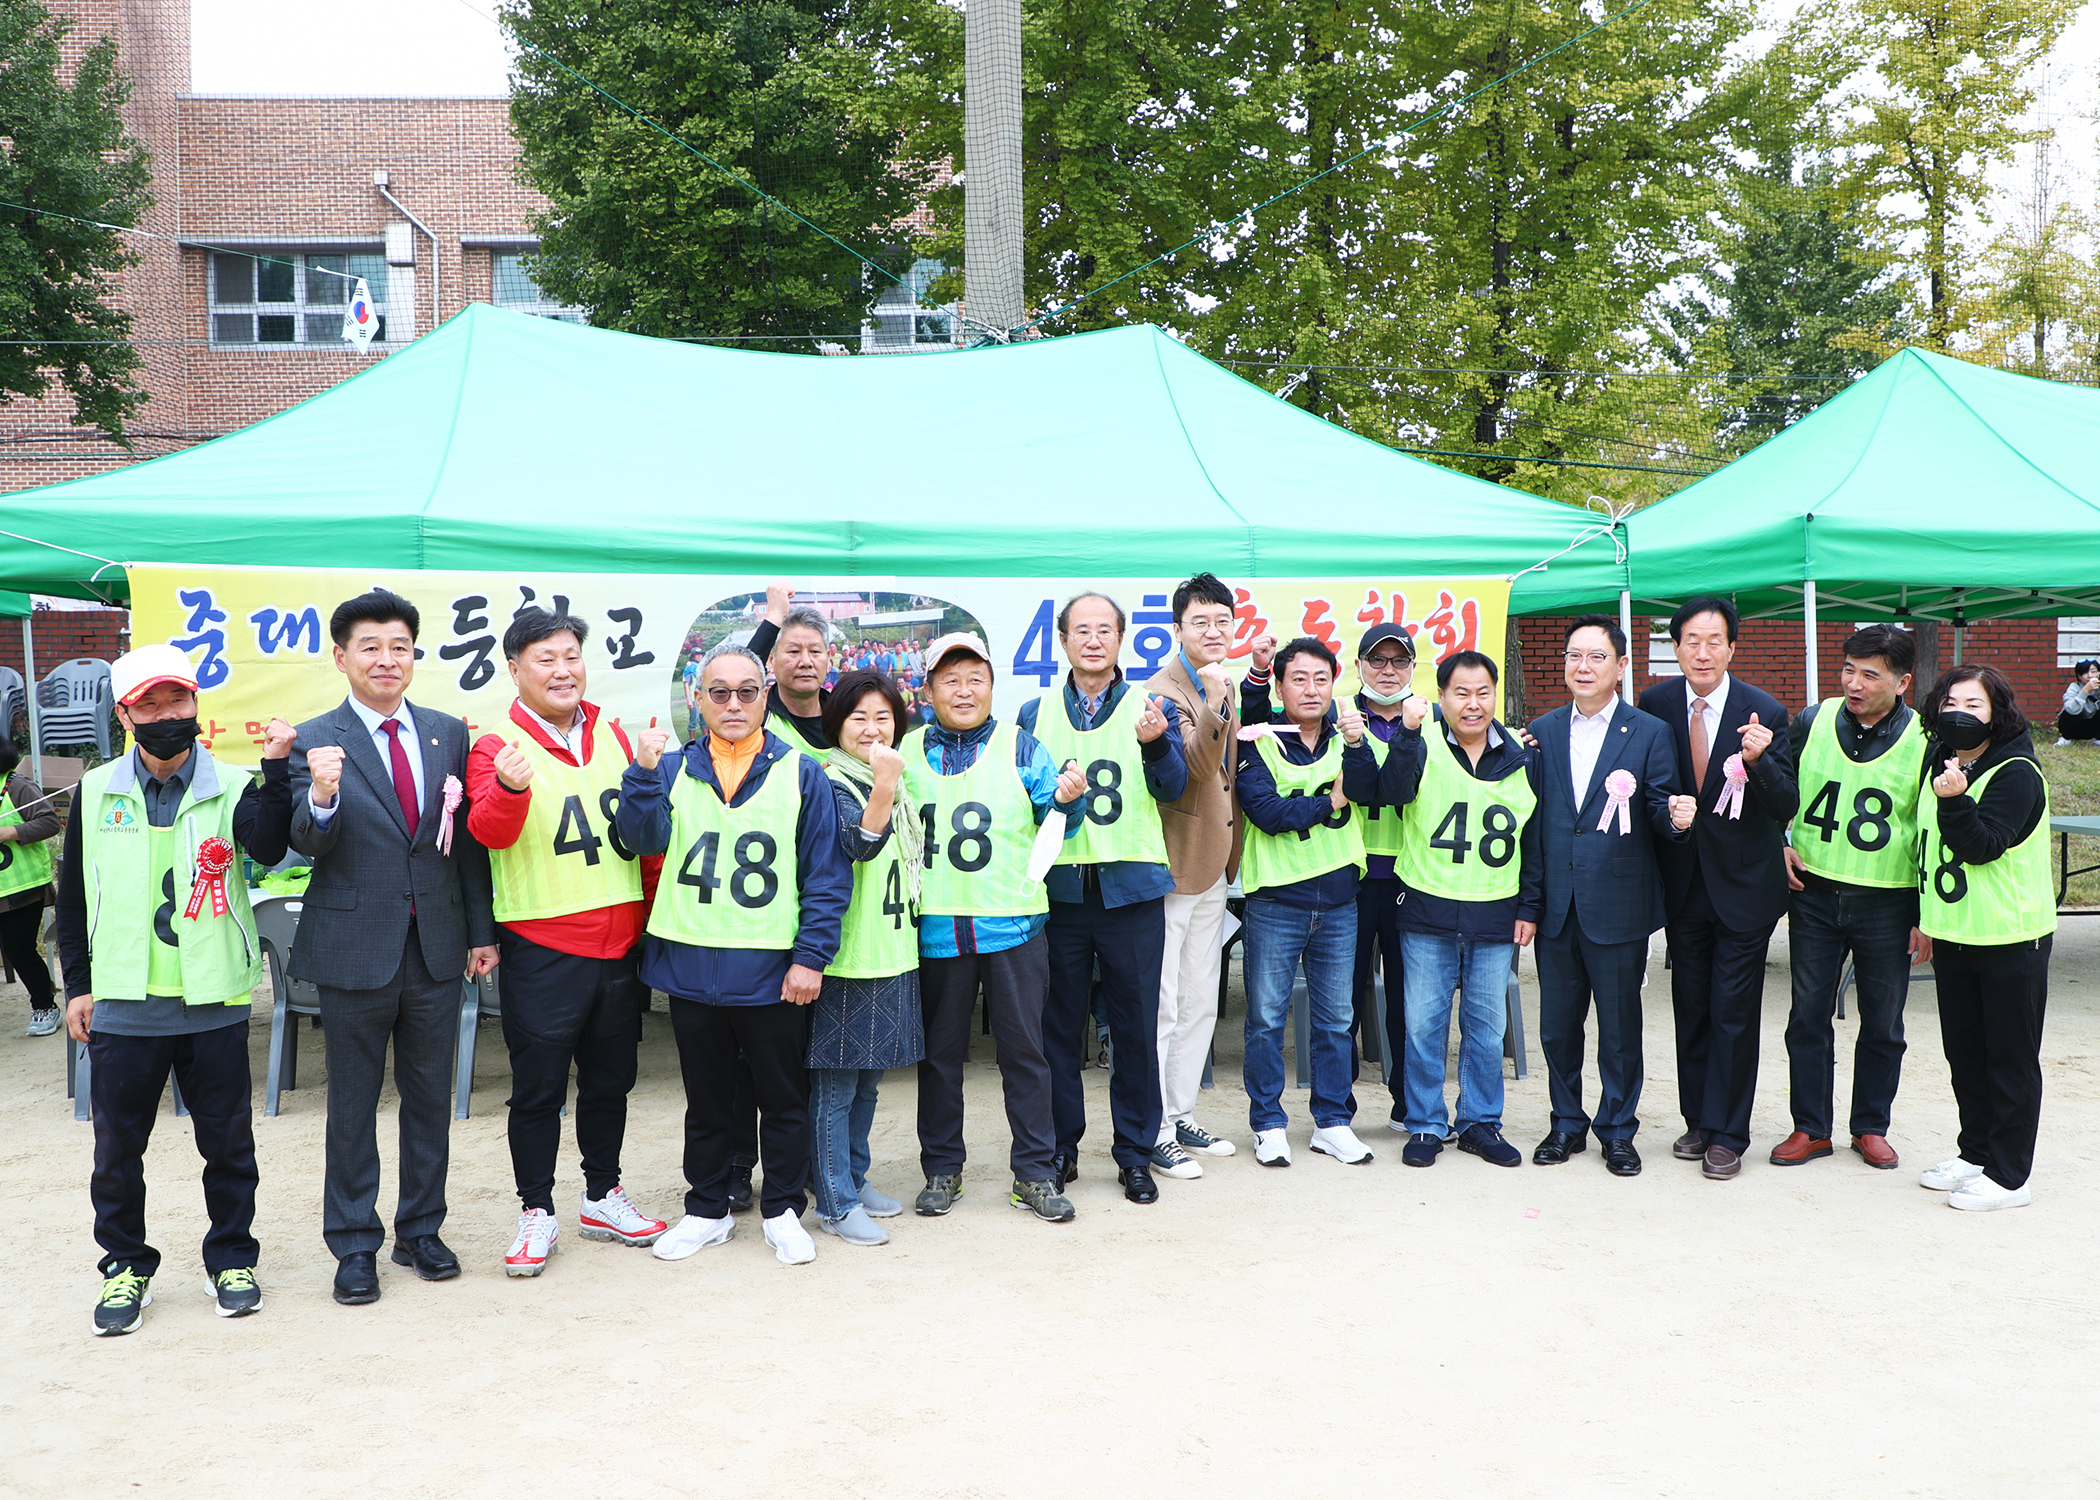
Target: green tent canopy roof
point(507, 441)
point(1929, 486)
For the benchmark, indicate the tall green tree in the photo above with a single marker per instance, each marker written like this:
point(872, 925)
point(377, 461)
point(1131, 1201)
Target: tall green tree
point(2038, 299)
point(65, 157)
point(785, 94)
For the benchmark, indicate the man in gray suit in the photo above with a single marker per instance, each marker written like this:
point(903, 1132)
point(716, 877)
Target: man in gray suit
point(392, 919)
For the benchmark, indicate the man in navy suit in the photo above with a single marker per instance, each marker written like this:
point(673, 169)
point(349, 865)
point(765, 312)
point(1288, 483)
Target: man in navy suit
point(1603, 888)
point(1726, 888)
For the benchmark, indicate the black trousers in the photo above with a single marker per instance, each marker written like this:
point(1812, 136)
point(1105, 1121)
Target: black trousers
point(2078, 726)
point(743, 1121)
point(1573, 972)
point(419, 1013)
point(1129, 943)
point(127, 1077)
point(1015, 982)
point(773, 1039)
point(1717, 989)
point(1378, 921)
point(558, 1009)
point(18, 929)
point(1991, 1003)
point(1823, 925)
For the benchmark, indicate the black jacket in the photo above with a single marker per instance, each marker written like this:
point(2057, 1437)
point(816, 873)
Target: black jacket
point(1609, 882)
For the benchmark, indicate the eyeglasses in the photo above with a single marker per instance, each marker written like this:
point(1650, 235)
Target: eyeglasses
point(1587, 658)
point(1387, 663)
point(1205, 624)
point(747, 695)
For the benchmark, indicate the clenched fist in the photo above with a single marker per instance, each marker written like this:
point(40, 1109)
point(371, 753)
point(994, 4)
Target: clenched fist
point(513, 768)
point(1350, 723)
point(1756, 737)
point(1413, 710)
point(1152, 722)
point(1071, 783)
point(324, 763)
point(886, 763)
point(1264, 648)
point(1337, 798)
point(778, 597)
point(278, 737)
point(1682, 811)
point(650, 748)
point(1214, 679)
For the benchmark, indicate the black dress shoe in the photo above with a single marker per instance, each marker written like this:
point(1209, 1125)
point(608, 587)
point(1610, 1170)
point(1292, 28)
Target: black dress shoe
point(1138, 1185)
point(1064, 1169)
point(357, 1279)
point(428, 1255)
point(1559, 1145)
point(1621, 1160)
point(740, 1191)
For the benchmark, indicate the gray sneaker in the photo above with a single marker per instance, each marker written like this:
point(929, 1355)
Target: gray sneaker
point(43, 1022)
point(1043, 1200)
point(939, 1195)
point(879, 1205)
point(855, 1227)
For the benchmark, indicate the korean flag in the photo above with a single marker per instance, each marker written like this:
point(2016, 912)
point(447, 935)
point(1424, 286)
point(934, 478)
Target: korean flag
point(360, 320)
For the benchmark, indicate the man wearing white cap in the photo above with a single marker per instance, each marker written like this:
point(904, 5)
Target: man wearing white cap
point(159, 965)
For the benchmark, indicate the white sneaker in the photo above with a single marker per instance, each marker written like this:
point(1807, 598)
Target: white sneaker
point(43, 1022)
point(614, 1217)
point(1271, 1148)
point(692, 1234)
point(1340, 1142)
point(2062, 741)
point(1949, 1175)
point(537, 1232)
point(791, 1243)
point(1169, 1160)
point(1980, 1195)
point(1197, 1141)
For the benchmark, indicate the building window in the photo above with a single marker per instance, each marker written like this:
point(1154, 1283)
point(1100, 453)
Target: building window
point(512, 287)
point(1662, 654)
point(288, 298)
point(2077, 639)
point(901, 319)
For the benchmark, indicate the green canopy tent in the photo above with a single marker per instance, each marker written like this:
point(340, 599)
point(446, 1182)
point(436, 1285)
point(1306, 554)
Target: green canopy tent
point(501, 440)
point(1933, 489)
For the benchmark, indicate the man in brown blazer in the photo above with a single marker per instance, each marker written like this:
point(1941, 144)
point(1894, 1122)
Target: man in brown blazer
point(1203, 850)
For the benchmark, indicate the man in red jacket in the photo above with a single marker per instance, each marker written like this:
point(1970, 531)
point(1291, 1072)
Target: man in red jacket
point(570, 901)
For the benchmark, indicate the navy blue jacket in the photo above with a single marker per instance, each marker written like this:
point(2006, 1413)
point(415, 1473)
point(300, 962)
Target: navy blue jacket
point(824, 875)
point(1611, 883)
point(1122, 882)
point(1400, 778)
point(1273, 813)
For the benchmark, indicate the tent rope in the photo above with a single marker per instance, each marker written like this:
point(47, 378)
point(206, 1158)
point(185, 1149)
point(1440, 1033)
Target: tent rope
point(1613, 527)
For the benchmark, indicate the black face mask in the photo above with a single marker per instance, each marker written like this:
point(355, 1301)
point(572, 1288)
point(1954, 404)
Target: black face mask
point(1960, 731)
point(164, 739)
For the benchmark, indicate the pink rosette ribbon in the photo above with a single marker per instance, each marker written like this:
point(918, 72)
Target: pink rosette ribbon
point(453, 794)
point(1251, 732)
point(1737, 778)
point(1619, 786)
point(214, 859)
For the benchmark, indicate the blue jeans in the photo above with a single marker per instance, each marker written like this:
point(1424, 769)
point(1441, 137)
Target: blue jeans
point(1277, 938)
point(1434, 966)
point(841, 1111)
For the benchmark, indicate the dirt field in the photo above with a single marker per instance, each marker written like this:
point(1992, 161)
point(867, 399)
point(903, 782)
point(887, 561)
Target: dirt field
point(1822, 1331)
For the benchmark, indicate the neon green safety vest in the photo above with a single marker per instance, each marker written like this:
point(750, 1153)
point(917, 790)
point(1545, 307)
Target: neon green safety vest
point(568, 857)
point(1464, 834)
point(1859, 823)
point(1270, 859)
point(784, 726)
point(1381, 827)
point(730, 877)
point(1121, 820)
point(880, 937)
point(2009, 900)
point(23, 867)
point(137, 883)
point(980, 826)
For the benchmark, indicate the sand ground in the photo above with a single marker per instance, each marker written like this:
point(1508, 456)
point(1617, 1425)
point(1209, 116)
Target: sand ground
point(1822, 1331)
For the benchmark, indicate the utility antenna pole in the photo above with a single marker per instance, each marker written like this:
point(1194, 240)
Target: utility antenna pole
point(992, 163)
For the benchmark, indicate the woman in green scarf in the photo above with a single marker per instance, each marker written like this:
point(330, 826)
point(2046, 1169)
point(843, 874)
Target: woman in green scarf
point(866, 1018)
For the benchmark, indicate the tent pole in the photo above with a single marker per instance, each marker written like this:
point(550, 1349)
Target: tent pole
point(1626, 629)
point(29, 677)
point(1808, 628)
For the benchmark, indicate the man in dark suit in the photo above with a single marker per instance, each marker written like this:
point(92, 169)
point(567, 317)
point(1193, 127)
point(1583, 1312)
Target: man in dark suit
point(392, 918)
point(1726, 888)
point(1603, 888)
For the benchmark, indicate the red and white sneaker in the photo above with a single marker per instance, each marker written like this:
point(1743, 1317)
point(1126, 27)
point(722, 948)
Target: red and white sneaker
point(613, 1217)
point(537, 1231)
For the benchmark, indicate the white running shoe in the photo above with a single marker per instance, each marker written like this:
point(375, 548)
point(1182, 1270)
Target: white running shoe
point(614, 1217)
point(43, 1022)
point(1169, 1160)
point(1197, 1141)
point(791, 1243)
point(692, 1234)
point(1980, 1195)
point(1949, 1175)
point(1272, 1148)
point(1340, 1142)
point(537, 1232)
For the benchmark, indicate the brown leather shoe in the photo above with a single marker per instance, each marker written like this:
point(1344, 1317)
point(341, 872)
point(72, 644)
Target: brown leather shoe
point(1690, 1146)
point(1721, 1163)
point(1798, 1148)
point(1876, 1151)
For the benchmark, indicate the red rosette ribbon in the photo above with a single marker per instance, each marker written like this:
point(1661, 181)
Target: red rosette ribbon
point(214, 859)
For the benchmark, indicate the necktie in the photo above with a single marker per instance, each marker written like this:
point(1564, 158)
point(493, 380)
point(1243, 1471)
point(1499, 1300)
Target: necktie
point(405, 778)
point(1698, 747)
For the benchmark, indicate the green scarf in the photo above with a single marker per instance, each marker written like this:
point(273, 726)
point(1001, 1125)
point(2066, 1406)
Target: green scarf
point(905, 829)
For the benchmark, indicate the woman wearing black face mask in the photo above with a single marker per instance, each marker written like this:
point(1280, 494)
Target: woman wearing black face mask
point(1988, 904)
